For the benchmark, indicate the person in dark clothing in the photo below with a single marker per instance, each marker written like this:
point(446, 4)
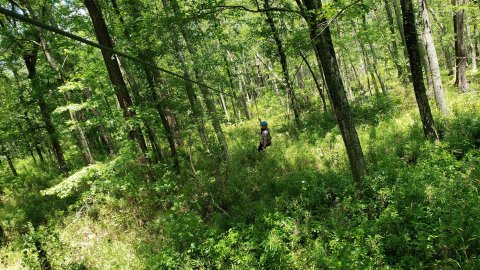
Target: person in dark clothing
point(265, 138)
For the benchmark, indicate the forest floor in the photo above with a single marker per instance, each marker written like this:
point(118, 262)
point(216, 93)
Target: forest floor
point(293, 207)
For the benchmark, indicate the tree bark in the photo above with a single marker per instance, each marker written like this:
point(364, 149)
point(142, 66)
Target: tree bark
point(325, 53)
point(432, 57)
point(192, 98)
point(199, 77)
point(31, 62)
point(317, 84)
point(460, 48)
point(374, 56)
point(114, 72)
point(5, 153)
point(394, 47)
point(283, 62)
point(473, 55)
point(416, 69)
point(106, 138)
point(445, 47)
point(153, 81)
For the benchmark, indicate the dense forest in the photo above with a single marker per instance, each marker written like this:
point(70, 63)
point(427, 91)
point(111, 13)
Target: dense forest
point(129, 133)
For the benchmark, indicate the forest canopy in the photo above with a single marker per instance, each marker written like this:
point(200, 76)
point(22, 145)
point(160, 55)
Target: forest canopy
point(244, 134)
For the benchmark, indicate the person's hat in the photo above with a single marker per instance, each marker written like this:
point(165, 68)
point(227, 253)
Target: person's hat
point(264, 124)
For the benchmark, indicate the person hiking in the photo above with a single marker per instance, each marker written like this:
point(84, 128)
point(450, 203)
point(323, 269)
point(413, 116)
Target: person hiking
point(265, 138)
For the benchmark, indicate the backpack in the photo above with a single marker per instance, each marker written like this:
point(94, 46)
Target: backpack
point(269, 136)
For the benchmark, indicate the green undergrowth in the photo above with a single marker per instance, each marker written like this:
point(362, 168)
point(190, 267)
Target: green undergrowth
point(293, 207)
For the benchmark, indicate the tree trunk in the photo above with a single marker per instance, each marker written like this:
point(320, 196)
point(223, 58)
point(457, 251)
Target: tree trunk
point(5, 153)
point(399, 21)
point(374, 56)
point(424, 59)
point(30, 62)
point(416, 69)
point(283, 62)
point(317, 84)
point(432, 57)
point(114, 72)
point(473, 55)
point(445, 47)
point(154, 80)
point(460, 48)
point(192, 98)
point(199, 77)
point(325, 53)
point(394, 47)
point(105, 134)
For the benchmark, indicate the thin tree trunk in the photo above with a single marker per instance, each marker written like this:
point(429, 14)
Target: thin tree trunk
point(445, 47)
point(157, 150)
point(153, 80)
point(432, 57)
point(224, 106)
point(399, 21)
point(394, 47)
point(374, 56)
point(319, 87)
point(199, 76)
point(325, 53)
point(30, 62)
point(283, 62)
point(473, 55)
point(192, 98)
point(9, 160)
point(114, 72)
point(416, 69)
point(105, 134)
point(461, 49)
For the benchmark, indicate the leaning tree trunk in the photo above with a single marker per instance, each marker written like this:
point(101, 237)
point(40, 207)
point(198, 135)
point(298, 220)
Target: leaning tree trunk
point(460, 48)
point(445, 46)
point(471, 47)
point(283, 62)
point(374, 56)
point(317, 84)
point(432, 57)
point(416, 69)
point(114, 72)
point(4, 152)
point(192, 97)
point(199, 76)
point(31, 62)
point(322, 40)
point(394, 47)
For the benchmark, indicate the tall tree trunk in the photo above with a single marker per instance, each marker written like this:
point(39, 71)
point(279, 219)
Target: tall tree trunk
point(153, 80)
point(106, 138)
point(399, 21)
point(424, 59)
point(368, 65)
point(473, 55)
point(31, 62)
point(416, 69)
point(325, 53)
point(394, 47)
point(199, 77)
point(445, 46)
point(4, 152)
point(460, 48)
point(283, 62)
point(317, 84)
point(232, 87)
point(374, 56)
point(192, 97)
point(432, 57)
point(114, 72)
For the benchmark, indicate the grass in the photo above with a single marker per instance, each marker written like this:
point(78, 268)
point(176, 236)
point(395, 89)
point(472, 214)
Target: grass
point(293, 207)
